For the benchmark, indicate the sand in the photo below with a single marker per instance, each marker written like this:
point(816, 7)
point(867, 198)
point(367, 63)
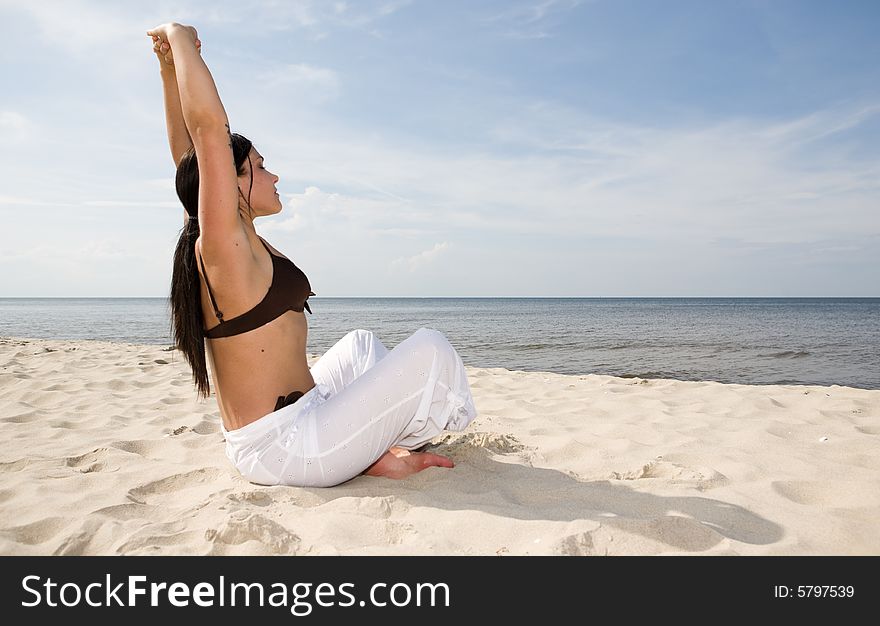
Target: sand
point(106, 450)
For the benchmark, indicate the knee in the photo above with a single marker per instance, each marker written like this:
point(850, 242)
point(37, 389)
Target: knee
point(429, 332)
point(432, 338)
point(360, 335)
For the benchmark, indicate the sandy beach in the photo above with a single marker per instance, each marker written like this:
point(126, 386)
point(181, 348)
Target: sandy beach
point(107, 451)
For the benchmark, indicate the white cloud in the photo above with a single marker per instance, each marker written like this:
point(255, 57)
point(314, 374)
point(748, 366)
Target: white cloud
point(312, 16)
point(129, 203)
point(748, 177)
point(71, 252)
point(326, 213)
point(416, 262)
point(530, 12)
point(100, 34)
point(315, 83)
point(565, 172)
point(15, 127)
point(529, 16)
point(552, 172)
point(22, 201)
point(387, 8)
point(164, 184)
point(512, 34)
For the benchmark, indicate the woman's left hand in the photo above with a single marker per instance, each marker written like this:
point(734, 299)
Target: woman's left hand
point(163, 49)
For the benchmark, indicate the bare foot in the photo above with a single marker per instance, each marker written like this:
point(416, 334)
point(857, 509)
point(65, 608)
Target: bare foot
point(400, 463)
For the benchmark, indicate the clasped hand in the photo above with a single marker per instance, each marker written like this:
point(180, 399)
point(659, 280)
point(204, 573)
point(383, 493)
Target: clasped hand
point(161, 45)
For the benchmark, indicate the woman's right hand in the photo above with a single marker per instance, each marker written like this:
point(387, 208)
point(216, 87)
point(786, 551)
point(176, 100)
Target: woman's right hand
point(161, 45)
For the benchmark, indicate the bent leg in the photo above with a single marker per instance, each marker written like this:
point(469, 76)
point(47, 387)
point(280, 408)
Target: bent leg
point(348, 359)
point(405, 399)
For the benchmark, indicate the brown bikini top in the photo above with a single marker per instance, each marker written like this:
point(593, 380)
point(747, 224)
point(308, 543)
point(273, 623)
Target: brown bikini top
point(289, 291)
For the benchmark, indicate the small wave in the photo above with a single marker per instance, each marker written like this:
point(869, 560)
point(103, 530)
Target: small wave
point(646, 375)
point(787, 354)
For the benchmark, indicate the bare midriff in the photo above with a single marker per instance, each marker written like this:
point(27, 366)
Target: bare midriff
point(249, 371)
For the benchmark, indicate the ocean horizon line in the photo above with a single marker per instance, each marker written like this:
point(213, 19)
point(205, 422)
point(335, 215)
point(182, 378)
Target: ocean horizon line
point(481, 297)
point(744, 340)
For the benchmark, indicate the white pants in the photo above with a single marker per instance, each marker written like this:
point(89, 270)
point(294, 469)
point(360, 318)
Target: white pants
point(365, 400)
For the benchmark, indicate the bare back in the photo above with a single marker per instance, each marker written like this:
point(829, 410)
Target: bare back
point(250, 370)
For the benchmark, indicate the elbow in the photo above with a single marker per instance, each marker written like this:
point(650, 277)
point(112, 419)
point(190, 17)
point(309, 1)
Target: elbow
point(208, 123)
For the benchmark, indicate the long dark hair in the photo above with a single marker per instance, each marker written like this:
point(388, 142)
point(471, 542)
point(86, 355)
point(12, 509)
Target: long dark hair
point(186, 300)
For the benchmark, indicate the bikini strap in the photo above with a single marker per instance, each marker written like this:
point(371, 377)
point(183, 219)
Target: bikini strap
point(210, 293)
point(265, 245)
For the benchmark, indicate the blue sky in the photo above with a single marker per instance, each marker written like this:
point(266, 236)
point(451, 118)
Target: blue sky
point(462, 148)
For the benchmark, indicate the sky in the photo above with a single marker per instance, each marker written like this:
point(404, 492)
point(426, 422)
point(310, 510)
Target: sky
point(514, 148)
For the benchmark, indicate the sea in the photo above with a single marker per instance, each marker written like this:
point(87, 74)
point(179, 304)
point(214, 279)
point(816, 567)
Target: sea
point(755, 341)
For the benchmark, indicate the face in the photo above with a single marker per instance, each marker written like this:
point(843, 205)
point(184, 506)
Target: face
point(264, 197)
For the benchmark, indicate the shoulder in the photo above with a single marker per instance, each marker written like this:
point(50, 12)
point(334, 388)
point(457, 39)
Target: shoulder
point(234, 254)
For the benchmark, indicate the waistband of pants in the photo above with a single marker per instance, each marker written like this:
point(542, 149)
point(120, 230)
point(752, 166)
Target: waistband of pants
point(281, 418)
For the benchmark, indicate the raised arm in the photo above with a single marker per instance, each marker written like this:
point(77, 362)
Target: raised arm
point(179, 140)
point(208, 127)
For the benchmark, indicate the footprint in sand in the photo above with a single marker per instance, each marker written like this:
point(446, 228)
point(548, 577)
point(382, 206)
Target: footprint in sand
point(496, 443)
point(255, 527)
point(701, 478)
point(157, 491)
point(669, 533)
point(258, 498)
point(375, 507)
point(38, 532)
point(97, 460)
point(14, 466)
point(128, 511)
point(830, 494)
point(24, 418)
point(206, 427)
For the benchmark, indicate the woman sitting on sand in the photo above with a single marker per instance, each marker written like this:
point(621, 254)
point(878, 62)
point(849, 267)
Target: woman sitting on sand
point(361, 408)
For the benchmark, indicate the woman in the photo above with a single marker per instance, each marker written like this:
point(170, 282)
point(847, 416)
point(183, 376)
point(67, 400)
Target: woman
point(361, 408)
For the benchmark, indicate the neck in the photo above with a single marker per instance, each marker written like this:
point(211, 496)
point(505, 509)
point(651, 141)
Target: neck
point(247, 222)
